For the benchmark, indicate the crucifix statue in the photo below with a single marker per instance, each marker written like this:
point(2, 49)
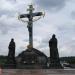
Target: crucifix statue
point(30, 21)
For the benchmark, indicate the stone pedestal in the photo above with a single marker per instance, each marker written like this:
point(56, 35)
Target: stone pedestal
point(31, 59)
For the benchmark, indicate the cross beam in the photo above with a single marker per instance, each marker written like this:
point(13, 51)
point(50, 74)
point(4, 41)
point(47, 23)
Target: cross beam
point(30, 16)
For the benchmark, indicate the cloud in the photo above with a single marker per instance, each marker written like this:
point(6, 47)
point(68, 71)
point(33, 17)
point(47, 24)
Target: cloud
point(52, 5)
point(8, 23)
point(68, 49)
point(73, 14)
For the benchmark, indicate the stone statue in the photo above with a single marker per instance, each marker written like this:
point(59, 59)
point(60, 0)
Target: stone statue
point(54, 55)
point(11, 54)
point(30, 16)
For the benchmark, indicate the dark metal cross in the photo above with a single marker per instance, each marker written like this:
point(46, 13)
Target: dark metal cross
point(30, 16)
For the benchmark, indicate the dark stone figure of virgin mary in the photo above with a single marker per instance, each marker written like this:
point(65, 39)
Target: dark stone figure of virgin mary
point(54, 55)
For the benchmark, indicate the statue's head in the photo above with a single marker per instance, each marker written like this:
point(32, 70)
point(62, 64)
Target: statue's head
point(12, 39)
point(53, 36)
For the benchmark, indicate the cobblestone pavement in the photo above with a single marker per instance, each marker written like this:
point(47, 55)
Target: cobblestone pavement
point(36, 72)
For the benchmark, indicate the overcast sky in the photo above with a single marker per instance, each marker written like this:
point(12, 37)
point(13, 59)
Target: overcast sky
point(59, 19)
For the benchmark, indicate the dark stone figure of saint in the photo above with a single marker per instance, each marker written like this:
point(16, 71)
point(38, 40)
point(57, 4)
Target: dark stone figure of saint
point(11, 54)
point(54, 55)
